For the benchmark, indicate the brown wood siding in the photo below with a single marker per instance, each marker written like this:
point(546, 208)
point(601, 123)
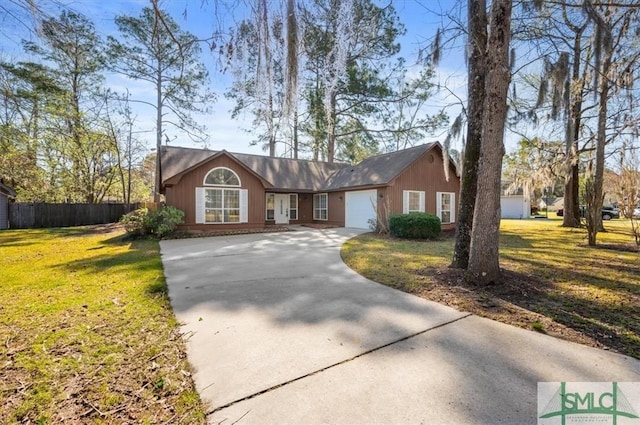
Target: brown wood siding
point(426, 174)
point(335, 209)
point(384, 204)
point(206, 228)
point(305, 208)
point(183, 195)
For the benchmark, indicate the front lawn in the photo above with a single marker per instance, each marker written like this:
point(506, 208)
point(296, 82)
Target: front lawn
point(87, 334)
point(553, 282)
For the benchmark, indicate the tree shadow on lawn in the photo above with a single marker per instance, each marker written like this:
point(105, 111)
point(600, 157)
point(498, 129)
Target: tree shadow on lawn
point(623, 283)
point(142, 255)
point(26, 237)
point(14, 241)
point(612, 326)
point(515, 241)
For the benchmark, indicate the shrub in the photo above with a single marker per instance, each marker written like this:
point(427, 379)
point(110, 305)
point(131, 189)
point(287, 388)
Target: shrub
point(138, 222)
point(415, 226)
point(166, 220)
point(159, 222)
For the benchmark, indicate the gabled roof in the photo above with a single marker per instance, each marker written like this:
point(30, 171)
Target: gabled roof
point(175, 160)
point(285, 173)
point(300, 175)
point(281, 173)
point(7, 190)
point(377, 170)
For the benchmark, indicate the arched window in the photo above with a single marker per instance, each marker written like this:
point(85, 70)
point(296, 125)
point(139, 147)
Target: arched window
point(222, 177)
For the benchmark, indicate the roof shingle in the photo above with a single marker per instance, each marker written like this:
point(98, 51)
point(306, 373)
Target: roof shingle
point(376, 170)
point(301, 175)
point(282, 173)
point(7, 190)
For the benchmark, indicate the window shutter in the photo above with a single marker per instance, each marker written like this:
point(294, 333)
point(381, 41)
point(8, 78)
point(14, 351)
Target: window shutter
point(453, 207)
point(244, 210)
point(199, 205)
point(405, 202)
point(422, 209)
point(439, 205)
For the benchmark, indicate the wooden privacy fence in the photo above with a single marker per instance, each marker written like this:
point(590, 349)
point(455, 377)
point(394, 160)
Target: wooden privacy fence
point(29, 216)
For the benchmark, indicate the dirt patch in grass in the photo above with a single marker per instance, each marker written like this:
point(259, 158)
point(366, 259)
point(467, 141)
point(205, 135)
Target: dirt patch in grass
point(87, 333)
point(515, 300)
point(552, 282)
point(104, 228)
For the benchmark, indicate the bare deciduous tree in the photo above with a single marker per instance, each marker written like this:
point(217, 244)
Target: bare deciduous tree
point(154, 50)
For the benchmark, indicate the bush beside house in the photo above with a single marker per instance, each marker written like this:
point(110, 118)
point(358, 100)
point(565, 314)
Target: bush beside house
point(160, 222)
point(415, 226)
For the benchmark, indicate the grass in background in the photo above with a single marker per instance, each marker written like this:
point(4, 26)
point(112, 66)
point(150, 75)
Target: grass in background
point(87, 334)
point(553, 282)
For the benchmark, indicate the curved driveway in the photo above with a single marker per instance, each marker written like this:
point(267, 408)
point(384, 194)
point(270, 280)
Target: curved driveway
point(279, 330)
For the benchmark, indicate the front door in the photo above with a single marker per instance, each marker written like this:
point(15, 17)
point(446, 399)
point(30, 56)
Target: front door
point(281, 208)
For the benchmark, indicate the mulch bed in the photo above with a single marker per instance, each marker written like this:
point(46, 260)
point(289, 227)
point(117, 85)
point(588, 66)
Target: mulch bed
point(205, 234)
point(320, 226)
point(514, 300)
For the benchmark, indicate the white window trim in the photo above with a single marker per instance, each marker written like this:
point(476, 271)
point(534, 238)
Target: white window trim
point(326, 195)
point(405, 201)
point(266, 209)
point(204, 181)
point(201, 205)
point(439, 206)
point(222, 208)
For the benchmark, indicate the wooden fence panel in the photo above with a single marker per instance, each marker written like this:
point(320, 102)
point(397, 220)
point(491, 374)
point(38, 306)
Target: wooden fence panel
point(28, 216)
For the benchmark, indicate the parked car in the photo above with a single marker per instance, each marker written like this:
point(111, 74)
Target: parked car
point(607, 212)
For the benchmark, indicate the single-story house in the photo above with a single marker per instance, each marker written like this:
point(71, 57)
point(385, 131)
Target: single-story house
point(555, 203)
point(222, 190)
point(5, 193)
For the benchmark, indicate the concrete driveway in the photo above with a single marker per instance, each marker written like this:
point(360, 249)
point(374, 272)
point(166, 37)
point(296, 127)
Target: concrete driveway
point(279, 330)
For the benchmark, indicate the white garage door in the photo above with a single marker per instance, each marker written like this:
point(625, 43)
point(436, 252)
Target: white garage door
point(360, 208)
point(513, 207)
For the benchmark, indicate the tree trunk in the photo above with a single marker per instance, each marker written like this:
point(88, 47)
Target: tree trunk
point(265, 43)
point(595, 195)
point(295, 134)
point(484, 265)
point(158, 179)
point(119, 160)
point(271, 128)
point(477, 41)
point(129, 163)
point(331, 129)
point(571, 216)
point(571, 202)
point(291, 93)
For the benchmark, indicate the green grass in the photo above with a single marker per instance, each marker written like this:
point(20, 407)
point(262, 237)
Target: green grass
point(553, 279)
point(87, 334)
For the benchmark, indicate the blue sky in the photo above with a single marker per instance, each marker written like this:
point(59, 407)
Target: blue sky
point(421, 18)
